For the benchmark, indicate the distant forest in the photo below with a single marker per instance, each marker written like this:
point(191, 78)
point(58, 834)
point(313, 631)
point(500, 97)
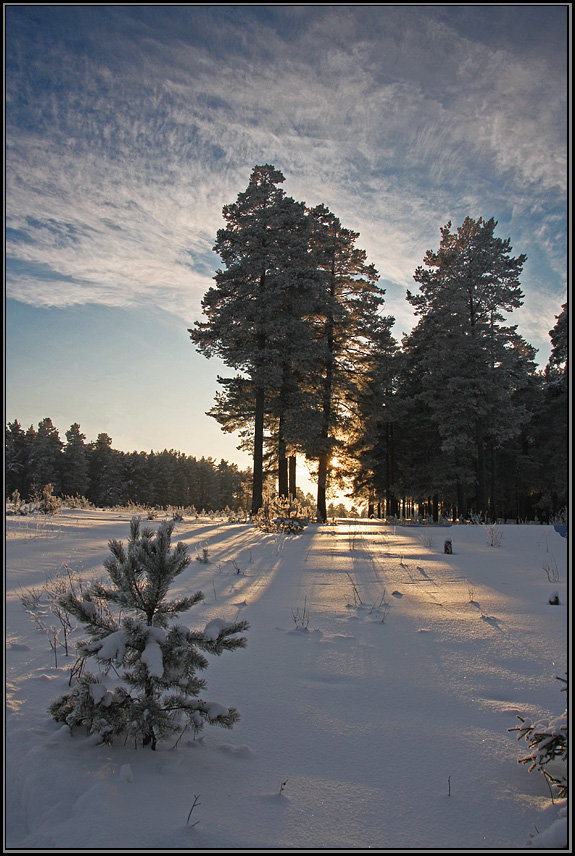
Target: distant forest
point(107, 477)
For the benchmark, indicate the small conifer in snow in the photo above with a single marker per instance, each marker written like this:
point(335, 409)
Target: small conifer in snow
point(133, 627)
point(548, 741)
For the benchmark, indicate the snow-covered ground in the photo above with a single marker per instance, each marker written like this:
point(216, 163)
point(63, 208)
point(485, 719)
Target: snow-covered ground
point(376, 691)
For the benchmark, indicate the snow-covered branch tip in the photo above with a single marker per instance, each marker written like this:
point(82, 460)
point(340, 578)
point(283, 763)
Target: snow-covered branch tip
point(547, 739)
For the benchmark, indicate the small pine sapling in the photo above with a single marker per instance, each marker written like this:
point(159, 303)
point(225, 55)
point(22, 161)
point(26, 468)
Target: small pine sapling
point(494, 536)
point(49, 503)
point(548, 741)
point(133, 626)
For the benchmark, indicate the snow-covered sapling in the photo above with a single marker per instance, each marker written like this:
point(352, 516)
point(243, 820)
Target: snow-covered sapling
point(494, 536)
point(49, 503)
point(548, 741)
point(156, 694)
point(204, 558)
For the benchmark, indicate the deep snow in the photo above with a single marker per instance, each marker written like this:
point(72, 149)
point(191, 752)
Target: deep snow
point(376, 691)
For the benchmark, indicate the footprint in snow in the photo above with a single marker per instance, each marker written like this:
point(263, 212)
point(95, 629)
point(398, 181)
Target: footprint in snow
point(237, 751)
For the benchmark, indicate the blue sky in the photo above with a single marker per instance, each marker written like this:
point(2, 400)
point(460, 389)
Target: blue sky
point(129, 127)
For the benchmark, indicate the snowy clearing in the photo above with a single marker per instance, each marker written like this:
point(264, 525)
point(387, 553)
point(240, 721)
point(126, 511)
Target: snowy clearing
point(379, 682)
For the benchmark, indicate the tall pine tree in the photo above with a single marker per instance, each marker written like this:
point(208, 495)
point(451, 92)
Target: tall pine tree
point(471, 361)
point(256, 314)
point(75, 463)
point(17, 453)
point(45, 460)
point(105, 488)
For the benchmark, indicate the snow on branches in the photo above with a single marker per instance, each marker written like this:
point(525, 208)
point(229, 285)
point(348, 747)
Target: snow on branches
point(132, 627)
point(547, 740)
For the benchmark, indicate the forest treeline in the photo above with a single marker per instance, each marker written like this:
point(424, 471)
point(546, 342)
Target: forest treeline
point(454, 420)
point(107, 477)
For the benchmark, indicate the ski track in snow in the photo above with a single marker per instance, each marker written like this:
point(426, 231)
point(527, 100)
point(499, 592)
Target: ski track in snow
point(377, 669)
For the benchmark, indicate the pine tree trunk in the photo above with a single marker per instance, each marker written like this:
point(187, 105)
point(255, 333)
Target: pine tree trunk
point(327, 411)
point(322, 487)
point(258, 480)
point(292, 486)
point(389, 498)
point(283, 482)
point(282, 459)
point(149, 737)
point(283, 486)
point(493, 491)
point(460, 500)
point(481, 472)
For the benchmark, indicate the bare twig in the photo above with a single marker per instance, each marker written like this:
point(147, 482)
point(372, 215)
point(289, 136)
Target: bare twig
point(194, 804)
point(551, 569)
point(357, 601)
point(301, 618)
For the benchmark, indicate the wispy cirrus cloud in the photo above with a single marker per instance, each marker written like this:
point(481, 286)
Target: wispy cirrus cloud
point(127, 135)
